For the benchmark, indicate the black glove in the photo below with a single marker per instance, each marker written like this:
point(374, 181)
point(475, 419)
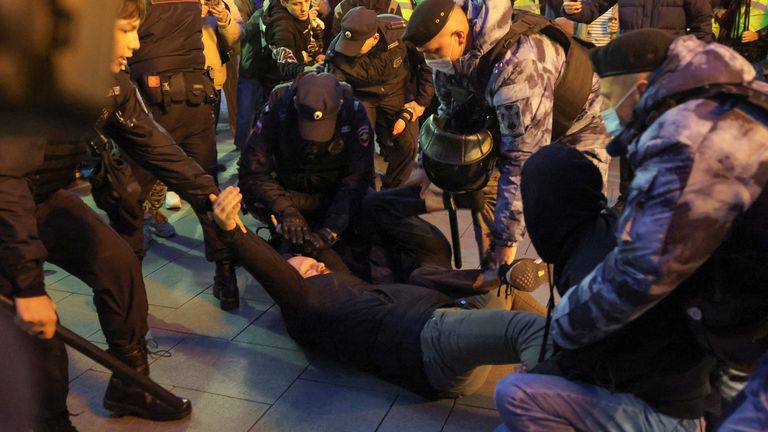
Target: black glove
point(295, 227)
point(319, 240)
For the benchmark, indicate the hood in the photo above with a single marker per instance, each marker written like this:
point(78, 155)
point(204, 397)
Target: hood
point(561, 190)
point(489, 21)
point(692, 63)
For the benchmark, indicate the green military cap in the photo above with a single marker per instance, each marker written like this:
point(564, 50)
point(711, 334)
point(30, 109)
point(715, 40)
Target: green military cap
point(633, 52)
point(429, 17)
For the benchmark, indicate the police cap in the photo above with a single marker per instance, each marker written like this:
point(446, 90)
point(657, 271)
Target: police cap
point(633, 52)
point(429, 17)
point(318, 100)
point(357, 26)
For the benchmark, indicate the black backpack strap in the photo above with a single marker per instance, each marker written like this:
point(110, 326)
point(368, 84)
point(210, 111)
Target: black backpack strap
point(573, 90)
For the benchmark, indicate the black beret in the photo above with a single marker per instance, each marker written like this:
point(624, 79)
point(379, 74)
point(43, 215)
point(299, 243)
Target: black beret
point(427, 20)
point(632, 52)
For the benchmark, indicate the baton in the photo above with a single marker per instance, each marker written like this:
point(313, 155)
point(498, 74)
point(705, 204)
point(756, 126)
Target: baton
point(454, 222)
point(107, 360)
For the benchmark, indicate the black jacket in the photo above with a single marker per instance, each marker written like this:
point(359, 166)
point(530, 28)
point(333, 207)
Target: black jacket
point(27, 169)
point(676, 16)
point(137, 134)
point(374, 327)
point(288, 39)
point(393, 69)
point(570, 228)
point(171, 40)
point(340, 173)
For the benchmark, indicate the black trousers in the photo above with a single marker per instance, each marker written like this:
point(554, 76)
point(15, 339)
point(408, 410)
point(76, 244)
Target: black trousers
point(193, 130)
point(83, 244)
point(400, 151)
point(391, 218)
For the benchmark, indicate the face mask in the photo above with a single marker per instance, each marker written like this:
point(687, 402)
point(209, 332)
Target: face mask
point(613, 123)
point(444, 64)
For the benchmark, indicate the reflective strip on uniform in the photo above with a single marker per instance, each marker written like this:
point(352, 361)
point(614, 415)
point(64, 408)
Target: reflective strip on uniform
point(406, 7)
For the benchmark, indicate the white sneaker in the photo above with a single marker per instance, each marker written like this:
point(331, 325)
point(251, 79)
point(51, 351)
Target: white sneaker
point(172, 201)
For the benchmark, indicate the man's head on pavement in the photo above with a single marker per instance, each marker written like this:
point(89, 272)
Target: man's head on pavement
point(308, 267)
point(298, 8)
point(624, 65)
point(440, 30)
point(359, 32)
point(126, 38)
point(318, 99)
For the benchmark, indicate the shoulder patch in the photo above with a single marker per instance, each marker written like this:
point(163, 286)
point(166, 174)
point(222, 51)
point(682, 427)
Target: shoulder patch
point(364, 135)
point(397, 62)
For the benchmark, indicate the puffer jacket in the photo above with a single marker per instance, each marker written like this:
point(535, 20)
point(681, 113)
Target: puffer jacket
point(676, 16)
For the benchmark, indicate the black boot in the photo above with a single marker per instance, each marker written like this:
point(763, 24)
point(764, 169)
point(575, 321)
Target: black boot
point(59, 423)
point(123, 398)
point(225, 285)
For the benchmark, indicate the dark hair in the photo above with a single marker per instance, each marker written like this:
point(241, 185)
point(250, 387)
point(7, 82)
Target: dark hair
point(132, 9)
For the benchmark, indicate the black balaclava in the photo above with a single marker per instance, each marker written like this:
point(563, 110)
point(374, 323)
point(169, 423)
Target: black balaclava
point(561, 190)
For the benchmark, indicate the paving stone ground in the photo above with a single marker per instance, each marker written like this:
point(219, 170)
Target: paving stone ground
point(240, 369)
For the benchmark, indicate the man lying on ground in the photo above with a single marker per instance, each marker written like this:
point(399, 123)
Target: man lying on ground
point(437, 343)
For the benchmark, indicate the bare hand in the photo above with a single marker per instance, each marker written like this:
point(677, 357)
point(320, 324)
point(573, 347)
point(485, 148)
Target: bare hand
point(226, 207)
point(572, 7)
point(220, 12)
point(36, 316)
point(313, 13)
point(320, 58)
point(419, 178)
point(748, 36)
point(417, 109)
point(613, 27)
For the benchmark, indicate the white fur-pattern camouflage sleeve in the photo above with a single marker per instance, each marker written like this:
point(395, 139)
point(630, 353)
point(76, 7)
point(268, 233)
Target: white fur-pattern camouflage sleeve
point(523, 96)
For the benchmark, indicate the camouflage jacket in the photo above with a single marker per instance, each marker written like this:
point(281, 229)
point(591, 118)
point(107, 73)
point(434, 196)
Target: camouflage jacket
point(699, 166)
point(521, 91)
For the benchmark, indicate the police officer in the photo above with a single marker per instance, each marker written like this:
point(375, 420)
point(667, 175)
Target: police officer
point(522, 73)
point(370, 55)
point(170, 70)
point(692, 232)
point(41, 221)
point(309, 161)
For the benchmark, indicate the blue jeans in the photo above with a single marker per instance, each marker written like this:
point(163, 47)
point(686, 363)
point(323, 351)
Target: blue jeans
point(531, 402)
point(749, 410)
point(250, 98)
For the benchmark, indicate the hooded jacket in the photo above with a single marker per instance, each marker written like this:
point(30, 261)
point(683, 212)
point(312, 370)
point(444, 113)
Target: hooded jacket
point(655, 357)
point(292, 43)
point(521, 92)
point(697, 198)
point(678, 17)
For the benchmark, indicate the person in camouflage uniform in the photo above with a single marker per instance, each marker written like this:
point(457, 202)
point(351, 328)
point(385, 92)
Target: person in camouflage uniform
point(692, 232)
point(520, 91)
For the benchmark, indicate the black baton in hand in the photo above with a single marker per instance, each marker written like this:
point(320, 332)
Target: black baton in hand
point(107, 360)
point(454, 222)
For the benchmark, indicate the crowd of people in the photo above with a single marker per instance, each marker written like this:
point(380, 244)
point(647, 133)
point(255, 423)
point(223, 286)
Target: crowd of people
point(511, 110)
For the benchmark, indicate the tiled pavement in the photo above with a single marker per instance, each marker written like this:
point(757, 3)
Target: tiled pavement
point(241, 370)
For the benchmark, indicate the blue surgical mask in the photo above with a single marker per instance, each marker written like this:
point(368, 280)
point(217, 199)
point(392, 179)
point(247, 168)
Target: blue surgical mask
point(611, 116)
point(611, 120)
point(443, 64)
